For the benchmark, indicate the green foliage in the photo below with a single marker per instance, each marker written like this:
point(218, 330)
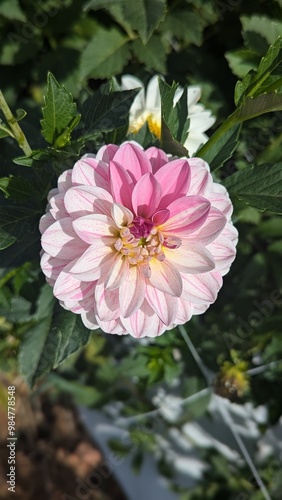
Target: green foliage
point(260, 186)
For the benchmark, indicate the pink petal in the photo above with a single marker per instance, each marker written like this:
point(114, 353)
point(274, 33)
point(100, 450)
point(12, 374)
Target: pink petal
point(201, 179)
point(89, 320)
point(211, 228)
point(117, 273)
point(88, 266)
point(144, 322)
point(65, 181)
point(83, 200)
point(46, 221)
point(131, 292)
point(184, 312)
point(186, 214)
point(133, 159)
point(219, 198)
point(69, 288)
point(157, 158)
point(51, 266)
point(121, 184)
point(223, 251)
point(161, 216)
point(174, 178)
point(106, 153)
point(91, 227)
point(114, 327)
point(107, 303)
point(121, 215)
point(57, 206)
point(165, 306)
point(165, 277)
point(87, 175)
point(60, 240)
point(201, 288)
point(146, 196)
point(191, 257)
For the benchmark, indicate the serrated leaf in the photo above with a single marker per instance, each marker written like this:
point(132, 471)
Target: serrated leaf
point(175, 121)
point(153, 54)
point(106, 111)
point(255, 106)
point(144, 16)
point(242, 61)
point(255, 83)
point(105, 55)
point(260, 186)
point(184, 25)
point(259, 32)
point(58, 112)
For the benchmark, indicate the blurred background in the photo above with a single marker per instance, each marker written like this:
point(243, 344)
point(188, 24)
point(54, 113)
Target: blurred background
point(126, 419)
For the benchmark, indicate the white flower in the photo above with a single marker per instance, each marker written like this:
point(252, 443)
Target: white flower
point(146, 107)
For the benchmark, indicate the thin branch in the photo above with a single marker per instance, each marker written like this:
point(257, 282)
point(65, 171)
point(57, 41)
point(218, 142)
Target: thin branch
point(208, 374)
point(230, 423)
point(14, 126)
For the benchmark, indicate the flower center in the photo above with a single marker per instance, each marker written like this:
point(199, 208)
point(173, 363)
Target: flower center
point(141, 241)
point(154, 124)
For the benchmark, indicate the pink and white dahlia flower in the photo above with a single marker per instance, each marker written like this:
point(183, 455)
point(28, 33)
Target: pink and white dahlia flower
point(136, 241)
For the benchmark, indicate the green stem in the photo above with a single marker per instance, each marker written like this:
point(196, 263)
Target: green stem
point(14, 126)
point(229, 123)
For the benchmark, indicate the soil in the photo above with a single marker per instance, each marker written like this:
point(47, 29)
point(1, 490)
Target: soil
point(56, 459)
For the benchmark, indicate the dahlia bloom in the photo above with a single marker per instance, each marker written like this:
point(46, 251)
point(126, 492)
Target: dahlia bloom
point(136, 241)
point(146, 107)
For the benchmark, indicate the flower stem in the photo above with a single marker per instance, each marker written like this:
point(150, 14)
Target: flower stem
point(14, 126)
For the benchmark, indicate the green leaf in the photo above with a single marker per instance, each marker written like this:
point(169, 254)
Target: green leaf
point(20, 114)
point(105, 55)
point(242, 61)
point(153, 54)
point(105, 110)
point(16, 223)
point(59, 111)
point(260, 186)
point(144, 137)
point(184, 25)
point(80, 393)
point(256, 106)
point(216, 153)
point(144, 16)
point(11, 9)
point(175, 121)
point(51, 340)
point(259, 32)
point(254, 83)
point(16, 188)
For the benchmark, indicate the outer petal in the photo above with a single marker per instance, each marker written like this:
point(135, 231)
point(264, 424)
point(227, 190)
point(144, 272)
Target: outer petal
point(211, 228)
point(165, 306)
point(87, 175)
point(184, 312)
point(106, 303)
point(174, 178)
point(223, 251)
point(201, 180)
point(146, 196)
point(133, 159)
point(165, 277)
point(89, 320)
point(157, 158)
point(186, 214)
point(144, 322)
point(57, 206)
point(83, 200)
point(69, 288)
point(60, 240)
point(153, 96)
point(131, 292)
point(129, 82)
point(46, 221)
point(91, 227)
point(191, 258)
point(107, 152)
point(51, 266)
point(201, 288)
point(65, 181)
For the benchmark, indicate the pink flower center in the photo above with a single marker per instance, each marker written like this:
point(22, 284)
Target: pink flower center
point(140, 227)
